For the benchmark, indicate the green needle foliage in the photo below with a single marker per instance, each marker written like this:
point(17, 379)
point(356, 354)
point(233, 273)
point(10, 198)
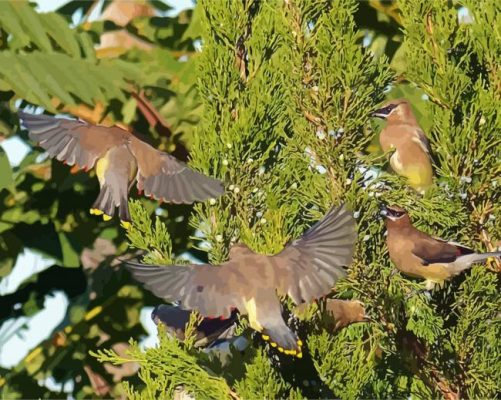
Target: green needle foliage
point(287, 88)
point(277, 105)
point(173, 366)
point(57, 63)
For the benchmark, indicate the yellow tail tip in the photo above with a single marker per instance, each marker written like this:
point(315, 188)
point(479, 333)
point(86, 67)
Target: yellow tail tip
point(125, 224)
point(106, 217)
point(95, 211)
point(281, 349)
point(273, 344)
point(299, 355)
point(299, 342)
point(265, 337)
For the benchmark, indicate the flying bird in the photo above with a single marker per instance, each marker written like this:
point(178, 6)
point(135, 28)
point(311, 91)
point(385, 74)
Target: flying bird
point(306, 269)
point(208, 331)
point(411, 156)
point(120, 159)
point(420, 255)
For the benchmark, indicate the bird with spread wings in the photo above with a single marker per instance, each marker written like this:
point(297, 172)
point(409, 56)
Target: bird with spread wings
point(120, 160)
point(305, 270)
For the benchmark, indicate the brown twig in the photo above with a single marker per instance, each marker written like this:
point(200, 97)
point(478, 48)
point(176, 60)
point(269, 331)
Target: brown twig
point(424, 368)
point(151, 114)
point(156, 121)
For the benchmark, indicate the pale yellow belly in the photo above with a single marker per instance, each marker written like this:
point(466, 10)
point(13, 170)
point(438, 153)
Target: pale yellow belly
point(104, 163)
point(101, 167)
point(251, 308)
point(418, 176)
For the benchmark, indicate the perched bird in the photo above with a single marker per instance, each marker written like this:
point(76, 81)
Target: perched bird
point(411, 157)
point(336, 313)
point(420, 255)
point(345, 312)
point(120, 159)
point(305, 270)
point(208, 331)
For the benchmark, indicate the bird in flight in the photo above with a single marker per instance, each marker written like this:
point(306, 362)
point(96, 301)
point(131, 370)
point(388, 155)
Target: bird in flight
point(305, 270)
point(120, 159)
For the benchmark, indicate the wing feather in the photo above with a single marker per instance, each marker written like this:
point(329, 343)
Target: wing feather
point(203, 288)
point(74, 142)
point(309, 266)
point(165, 178)
point(434, 250)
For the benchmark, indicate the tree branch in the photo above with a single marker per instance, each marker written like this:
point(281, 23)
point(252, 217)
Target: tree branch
point(157, 121)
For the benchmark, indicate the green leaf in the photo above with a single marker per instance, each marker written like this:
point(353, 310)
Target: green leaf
point(57, 28)
point(87, 46)
point(129, 110)
point(11, 24)
point(6, 178)
point(70, 254)
point(31, 24)
point(37, 77)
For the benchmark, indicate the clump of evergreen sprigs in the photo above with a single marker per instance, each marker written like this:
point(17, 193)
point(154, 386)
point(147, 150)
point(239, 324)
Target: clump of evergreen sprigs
point(287, 89)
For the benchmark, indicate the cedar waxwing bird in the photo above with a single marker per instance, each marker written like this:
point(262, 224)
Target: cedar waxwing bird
point(306, 269)
point(208, 331)
point(411, 157)
point(420, 255)
point(120, 159)
point(346, 312)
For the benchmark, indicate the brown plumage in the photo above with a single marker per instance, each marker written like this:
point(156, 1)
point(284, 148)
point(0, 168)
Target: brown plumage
point(120, 159)
point(305, 270)
point(209, 330)
point(411, 156)
point(420, 255)
point(345, 312)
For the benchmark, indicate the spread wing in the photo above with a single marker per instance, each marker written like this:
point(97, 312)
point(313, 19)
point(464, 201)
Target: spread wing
point(309, 266)
point(212, 291)
point(165, 178)
point(433, 250)
point(74, 142)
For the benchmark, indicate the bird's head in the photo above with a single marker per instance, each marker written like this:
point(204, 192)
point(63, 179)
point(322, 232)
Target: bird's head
point(395, 214)
point(399, 108)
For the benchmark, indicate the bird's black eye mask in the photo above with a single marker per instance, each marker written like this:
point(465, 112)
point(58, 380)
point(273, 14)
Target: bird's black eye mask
point(384, 112)
point(395, 213)
point(391, 212)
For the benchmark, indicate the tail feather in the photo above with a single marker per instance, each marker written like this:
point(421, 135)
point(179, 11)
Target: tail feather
point(123, 210)
point(110, 198)
point(104, 201)
point(466, 261)
point(283, 339)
